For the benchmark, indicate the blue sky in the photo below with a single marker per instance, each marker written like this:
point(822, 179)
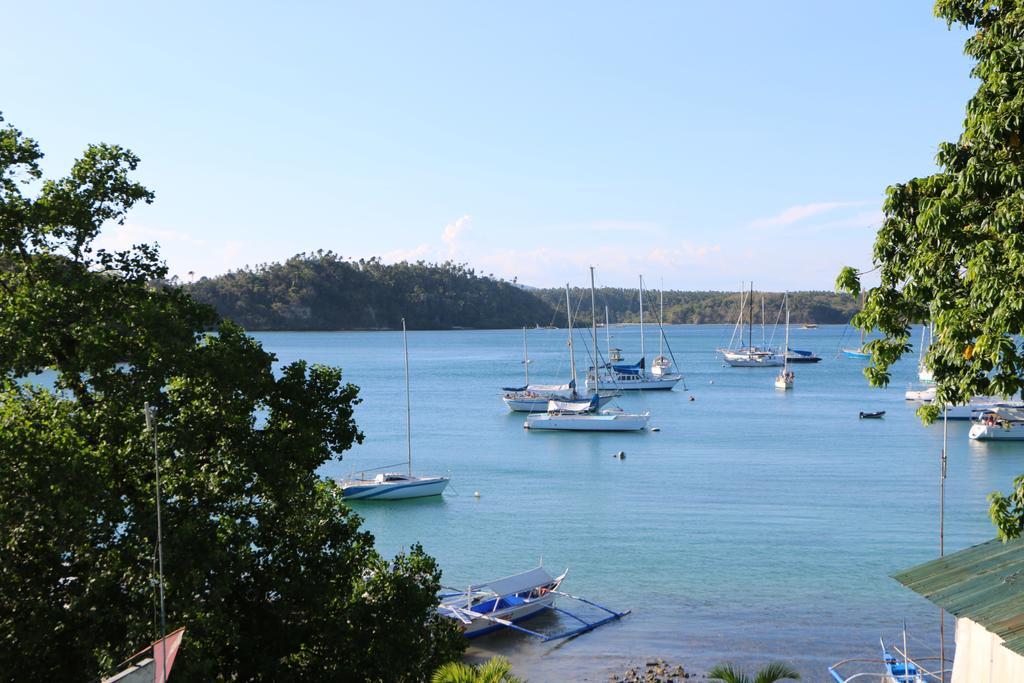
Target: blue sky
point(702, 143)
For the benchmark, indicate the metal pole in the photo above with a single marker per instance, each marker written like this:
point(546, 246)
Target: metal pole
point(526, 358)
point(151, 426)
point(942, 541)
point(643, 352)
point(408, 399)
point(572, 357)
point(593, 308)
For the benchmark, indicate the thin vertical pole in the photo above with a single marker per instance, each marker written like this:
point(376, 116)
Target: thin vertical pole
point(151, 426)
point(526, 358)
point(643, 352)
point(607, 332)
point(661, 318)
point(750, 320)
point(572, 356)
point(942, 541)
point(593, 310)
point(408, 398)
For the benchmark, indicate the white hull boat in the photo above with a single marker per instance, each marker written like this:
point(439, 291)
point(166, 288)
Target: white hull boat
point(973, 410)
point(755, 358)
point(999, 425)
point(784, 380)
point(530, 402)
point(603, 421)
point(617, 376)
point(633, 382)
point(393, 486)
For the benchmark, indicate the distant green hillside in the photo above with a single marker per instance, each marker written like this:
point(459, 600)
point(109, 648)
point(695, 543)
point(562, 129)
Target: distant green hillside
point(702, 307)
point(323, 291)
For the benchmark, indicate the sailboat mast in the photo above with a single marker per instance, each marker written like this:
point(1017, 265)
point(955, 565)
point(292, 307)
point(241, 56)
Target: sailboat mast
point(785, 350)
point(526, 358)
point(750, 319)
point(607, 332)
point(572, 358)
point(408, 398)
point(643, 352)
point(593, 310)
point(661, 319)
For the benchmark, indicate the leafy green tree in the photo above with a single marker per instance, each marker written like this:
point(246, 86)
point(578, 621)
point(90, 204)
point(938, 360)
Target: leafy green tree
point(776, 671)
point(951, 247)
point(265, 565)
point(494, 670)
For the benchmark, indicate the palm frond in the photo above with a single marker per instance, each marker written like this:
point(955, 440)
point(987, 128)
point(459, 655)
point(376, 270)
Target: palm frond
point(777, 671)
point(728, 673)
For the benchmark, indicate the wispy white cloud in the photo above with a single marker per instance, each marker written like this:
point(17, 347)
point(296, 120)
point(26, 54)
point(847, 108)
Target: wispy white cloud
point(120, 237)
point(795, 214)
point(414, 254)
point(865, 219)
point(452, 231)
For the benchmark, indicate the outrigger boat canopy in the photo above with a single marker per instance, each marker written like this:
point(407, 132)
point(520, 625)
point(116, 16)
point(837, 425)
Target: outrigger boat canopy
point(503, 602)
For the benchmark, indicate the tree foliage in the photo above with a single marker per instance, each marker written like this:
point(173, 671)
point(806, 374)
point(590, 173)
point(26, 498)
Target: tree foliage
point(770, 673)
point(701, 307)
point(494, 670)
point(323, 291)
point(951, 247)
point(265, 565)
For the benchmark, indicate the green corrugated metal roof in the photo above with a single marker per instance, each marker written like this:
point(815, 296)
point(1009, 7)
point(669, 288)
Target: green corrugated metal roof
point(984, 583)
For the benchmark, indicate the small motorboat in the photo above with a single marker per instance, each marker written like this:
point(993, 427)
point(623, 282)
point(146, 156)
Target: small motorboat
point(873, 415)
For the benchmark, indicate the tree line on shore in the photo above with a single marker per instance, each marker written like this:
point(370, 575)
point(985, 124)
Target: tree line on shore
point(324, 291)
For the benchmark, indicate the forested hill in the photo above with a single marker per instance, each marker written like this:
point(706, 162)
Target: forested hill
point(703, 307)
point(323, 291)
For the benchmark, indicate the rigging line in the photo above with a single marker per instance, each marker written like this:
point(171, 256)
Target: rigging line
point(771, 339)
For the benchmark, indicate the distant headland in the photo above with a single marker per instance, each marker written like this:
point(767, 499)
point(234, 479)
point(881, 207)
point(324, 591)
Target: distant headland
point(324, 291)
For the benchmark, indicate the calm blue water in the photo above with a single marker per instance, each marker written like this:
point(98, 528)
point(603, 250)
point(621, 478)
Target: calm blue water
point(757, 524)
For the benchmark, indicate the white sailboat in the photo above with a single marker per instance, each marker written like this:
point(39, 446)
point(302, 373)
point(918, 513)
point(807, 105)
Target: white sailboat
point(396, 485)
point(784, 380)
point(750, 356)
point(534, 398)
point(584, 415)
point(634, 377)
point(924, 373)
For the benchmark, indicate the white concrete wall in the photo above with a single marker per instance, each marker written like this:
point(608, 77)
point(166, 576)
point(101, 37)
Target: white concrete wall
point(981, 657)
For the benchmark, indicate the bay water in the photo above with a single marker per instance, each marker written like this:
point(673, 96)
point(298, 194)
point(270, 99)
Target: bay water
point(757, 524)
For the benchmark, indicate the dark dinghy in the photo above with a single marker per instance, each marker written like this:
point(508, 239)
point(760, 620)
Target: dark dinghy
point(878, 414)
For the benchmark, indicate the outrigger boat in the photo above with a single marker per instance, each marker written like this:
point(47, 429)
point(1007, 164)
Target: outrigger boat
point(504, 603)
point(901, 669)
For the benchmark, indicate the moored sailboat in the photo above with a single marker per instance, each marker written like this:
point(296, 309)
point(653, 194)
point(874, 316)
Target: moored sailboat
point(784, 380)
point(634, 376)
point(750, 356)
point(396, 485)
point(584, 415)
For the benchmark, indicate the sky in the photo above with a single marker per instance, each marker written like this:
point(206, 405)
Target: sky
point(699, 144)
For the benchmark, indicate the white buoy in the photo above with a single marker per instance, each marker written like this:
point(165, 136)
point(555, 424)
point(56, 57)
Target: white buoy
point(711, 381)
point(476, 494)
